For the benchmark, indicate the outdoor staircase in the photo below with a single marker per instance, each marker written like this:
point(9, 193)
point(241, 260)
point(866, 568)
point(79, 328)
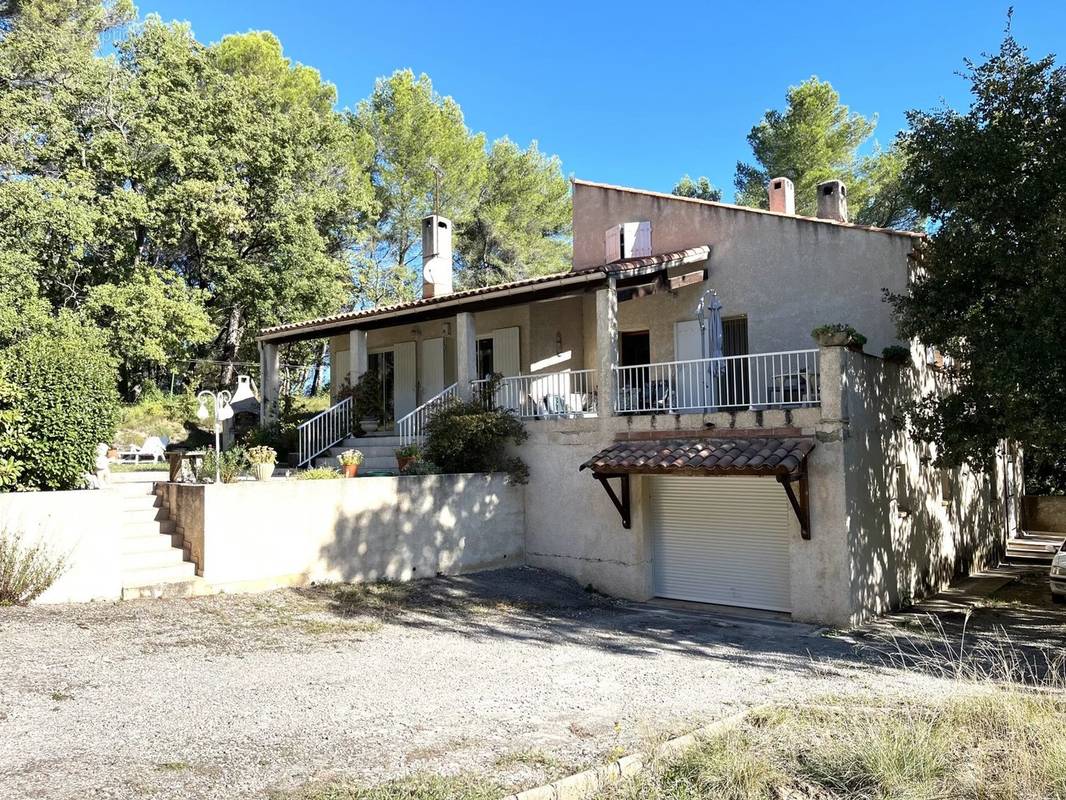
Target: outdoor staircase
point(1034, 546)
point(155, 562)
point(378, 449)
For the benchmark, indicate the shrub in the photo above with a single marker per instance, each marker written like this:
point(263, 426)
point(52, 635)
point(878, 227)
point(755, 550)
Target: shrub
point(421, 467)
point(473, 436)
point(409, 451)
point(26, 571)
point(231, 465)
point(262, 455)
point(839, 330)
point(317, 474)
point(351, 458)
point(367, 400)
point(65, 404)
point(896, 354)
point(13, 435)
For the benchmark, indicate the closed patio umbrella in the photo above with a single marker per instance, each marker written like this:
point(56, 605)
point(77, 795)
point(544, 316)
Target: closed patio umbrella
point(714, 345)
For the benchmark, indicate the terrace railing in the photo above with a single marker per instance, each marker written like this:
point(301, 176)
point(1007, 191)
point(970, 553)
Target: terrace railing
point(763, 380)
point(547, 395)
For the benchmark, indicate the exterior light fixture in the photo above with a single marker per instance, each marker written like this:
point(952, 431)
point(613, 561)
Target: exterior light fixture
point(223, 411)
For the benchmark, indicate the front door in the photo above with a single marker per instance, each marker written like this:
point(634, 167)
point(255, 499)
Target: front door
point(382, 363)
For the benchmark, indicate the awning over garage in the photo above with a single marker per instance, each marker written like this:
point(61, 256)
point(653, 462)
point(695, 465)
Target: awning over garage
point(784, 459)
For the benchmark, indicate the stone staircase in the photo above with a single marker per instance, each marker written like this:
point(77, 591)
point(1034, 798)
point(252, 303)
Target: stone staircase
point(155, 562)
point(378, 449)
point(1034, 546)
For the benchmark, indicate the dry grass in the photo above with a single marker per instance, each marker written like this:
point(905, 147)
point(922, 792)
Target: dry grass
point(26, 569)
point(422, 786)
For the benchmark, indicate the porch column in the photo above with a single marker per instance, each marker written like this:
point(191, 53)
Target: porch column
point(359, 362)
point(269, 383)
point(607, 346)
point(465, 354)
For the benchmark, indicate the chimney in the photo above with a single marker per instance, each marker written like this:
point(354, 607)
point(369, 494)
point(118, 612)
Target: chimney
point(436, 256)
point(782, 196)
point(833, 201)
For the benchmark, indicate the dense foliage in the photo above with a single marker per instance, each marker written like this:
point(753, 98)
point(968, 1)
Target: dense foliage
point(700, 189)
point(476, 436)
point(183, 195)
point(815, 139)
point(990, 283)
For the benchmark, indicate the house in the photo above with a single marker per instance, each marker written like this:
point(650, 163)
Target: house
point(688, 438)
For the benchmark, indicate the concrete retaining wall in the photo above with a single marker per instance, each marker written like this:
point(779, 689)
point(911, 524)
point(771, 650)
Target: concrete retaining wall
point(254, 534)
point(81, 525)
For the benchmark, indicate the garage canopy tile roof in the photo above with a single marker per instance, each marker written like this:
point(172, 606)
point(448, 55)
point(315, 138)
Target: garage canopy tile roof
point(742, 456)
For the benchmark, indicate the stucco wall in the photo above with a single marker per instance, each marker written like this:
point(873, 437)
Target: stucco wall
point(787, 275)
point(911, 526)
point(81, 525)
point(573, 528)
point(356, 530)
point(1045, 513)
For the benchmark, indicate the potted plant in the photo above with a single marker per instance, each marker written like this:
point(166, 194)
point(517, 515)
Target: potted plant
point(838, 334)
point(262, 459)
point(350, 461)
point(368, 402)
point(407, 455)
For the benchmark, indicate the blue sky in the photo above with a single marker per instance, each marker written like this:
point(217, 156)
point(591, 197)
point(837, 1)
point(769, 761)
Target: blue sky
point(640, 93)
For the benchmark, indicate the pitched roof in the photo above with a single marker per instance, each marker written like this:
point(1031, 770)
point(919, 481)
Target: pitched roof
point(740, 456)
point(564, 280)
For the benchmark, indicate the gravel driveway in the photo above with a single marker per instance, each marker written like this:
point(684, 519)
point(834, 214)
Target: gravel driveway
point(516, 672)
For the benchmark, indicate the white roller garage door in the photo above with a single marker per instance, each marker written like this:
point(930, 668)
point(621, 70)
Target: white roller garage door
point(721, 540)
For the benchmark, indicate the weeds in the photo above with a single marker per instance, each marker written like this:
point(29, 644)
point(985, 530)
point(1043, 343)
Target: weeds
point(26, 570)
point(421, 786)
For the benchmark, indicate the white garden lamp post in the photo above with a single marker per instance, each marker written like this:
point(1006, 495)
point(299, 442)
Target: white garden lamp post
point(222, 411)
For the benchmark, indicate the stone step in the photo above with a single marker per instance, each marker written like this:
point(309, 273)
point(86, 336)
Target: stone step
point(150, 576)
point(1034, 546)
point(153, 513)
point(150, 542)
point(372, 441)
point(139, 528)
point(170, 588)
point(368, 451)
point(160, 558)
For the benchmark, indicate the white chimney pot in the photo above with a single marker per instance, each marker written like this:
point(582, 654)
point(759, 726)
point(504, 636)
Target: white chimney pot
point(782, 196)
point(436, 256)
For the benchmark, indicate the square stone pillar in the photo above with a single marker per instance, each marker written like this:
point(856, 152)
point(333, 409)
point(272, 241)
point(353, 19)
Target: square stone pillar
point(359, 360)
point(269, 383)
point(465, 354)
point(607, 346)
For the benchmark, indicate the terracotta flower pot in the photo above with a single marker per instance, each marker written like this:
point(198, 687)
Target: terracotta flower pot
point(350, 470)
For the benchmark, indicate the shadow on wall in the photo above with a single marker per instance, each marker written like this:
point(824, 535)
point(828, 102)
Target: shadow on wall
point(425, 527)
point(912, 526)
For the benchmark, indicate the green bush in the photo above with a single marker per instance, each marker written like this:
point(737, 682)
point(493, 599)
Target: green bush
point(65, 403)
point(896, 354)
point(421, 467)
point(26, 570)
point(231, 465)
point(473, 436)
point(13, 435)
point(157, 414)
point(317, 474)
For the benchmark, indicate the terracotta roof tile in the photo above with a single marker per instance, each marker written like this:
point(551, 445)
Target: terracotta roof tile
point(741, 456)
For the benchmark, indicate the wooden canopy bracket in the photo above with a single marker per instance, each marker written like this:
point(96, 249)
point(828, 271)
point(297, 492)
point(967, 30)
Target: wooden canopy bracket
point(623, 504)
point(799, 499)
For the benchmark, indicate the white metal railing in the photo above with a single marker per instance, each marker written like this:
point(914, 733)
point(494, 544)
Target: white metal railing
point(553, 394)
point(412, 426)
point(324, 430)
point(762, 380)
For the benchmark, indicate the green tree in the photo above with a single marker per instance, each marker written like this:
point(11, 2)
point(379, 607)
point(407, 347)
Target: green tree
point(701, 189)
point(521, 223)
point(816, 139)
point(990, 282)
point(417, 136)
point(150, 321)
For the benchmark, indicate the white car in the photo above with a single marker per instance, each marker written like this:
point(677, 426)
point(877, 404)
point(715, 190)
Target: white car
point(1058, 575)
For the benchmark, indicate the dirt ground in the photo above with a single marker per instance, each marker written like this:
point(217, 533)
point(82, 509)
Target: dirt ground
point(519, 673)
